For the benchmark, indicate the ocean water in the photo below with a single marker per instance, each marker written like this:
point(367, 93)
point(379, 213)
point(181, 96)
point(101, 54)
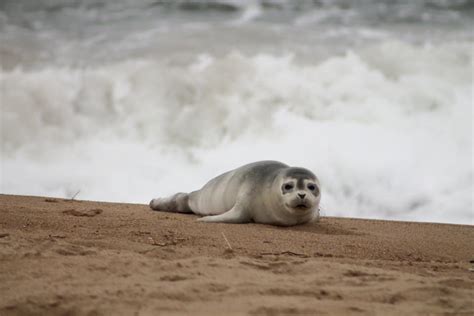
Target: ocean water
point(129, 100)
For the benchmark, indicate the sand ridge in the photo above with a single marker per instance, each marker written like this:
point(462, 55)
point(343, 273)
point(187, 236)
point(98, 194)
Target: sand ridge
point(73, 257)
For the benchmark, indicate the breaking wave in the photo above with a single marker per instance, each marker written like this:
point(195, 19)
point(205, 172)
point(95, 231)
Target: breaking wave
point(387, 128)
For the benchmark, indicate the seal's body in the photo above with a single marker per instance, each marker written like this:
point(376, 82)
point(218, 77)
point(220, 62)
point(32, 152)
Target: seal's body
point(267, 192)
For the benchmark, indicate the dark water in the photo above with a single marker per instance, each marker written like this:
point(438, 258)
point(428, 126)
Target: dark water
point(68, 32)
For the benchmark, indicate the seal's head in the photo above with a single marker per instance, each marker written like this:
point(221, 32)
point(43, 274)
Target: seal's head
point(300, 191)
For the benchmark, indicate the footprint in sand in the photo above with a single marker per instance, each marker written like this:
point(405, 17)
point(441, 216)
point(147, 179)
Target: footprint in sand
point(217, 287)
point(74, 250)
point(173, 278)
point(85, 213)
point(265, 310)
point(458, 283)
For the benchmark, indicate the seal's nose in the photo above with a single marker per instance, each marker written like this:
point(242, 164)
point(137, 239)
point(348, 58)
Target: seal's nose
point(302, 195)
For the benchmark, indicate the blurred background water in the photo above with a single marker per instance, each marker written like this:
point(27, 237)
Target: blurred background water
point(128, 100)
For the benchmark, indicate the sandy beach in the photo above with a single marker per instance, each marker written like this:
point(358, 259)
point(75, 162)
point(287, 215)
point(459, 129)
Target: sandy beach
point(71, 257)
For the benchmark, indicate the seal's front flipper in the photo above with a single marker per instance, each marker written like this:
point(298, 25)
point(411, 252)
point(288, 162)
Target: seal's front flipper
point(235, 215)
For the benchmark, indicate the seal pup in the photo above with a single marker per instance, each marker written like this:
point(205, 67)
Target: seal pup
point(267, 192)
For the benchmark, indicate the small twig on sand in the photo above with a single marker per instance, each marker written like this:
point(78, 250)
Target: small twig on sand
point(227, 241)
point(289, 253)
point(74, 196)
point(154, 243)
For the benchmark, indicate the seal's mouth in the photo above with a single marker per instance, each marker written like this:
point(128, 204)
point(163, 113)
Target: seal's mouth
point(301, 207)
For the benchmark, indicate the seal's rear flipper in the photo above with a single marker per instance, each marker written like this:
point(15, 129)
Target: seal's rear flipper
point(177, 203)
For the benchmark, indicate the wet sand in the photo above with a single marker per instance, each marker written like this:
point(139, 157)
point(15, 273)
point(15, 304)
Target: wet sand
point(68, 257)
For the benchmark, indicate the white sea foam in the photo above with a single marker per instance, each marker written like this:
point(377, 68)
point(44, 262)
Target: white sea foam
point(387, 128)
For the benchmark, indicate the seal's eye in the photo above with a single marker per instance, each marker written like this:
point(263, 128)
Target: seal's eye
point(311, 187)
point(288, 186)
